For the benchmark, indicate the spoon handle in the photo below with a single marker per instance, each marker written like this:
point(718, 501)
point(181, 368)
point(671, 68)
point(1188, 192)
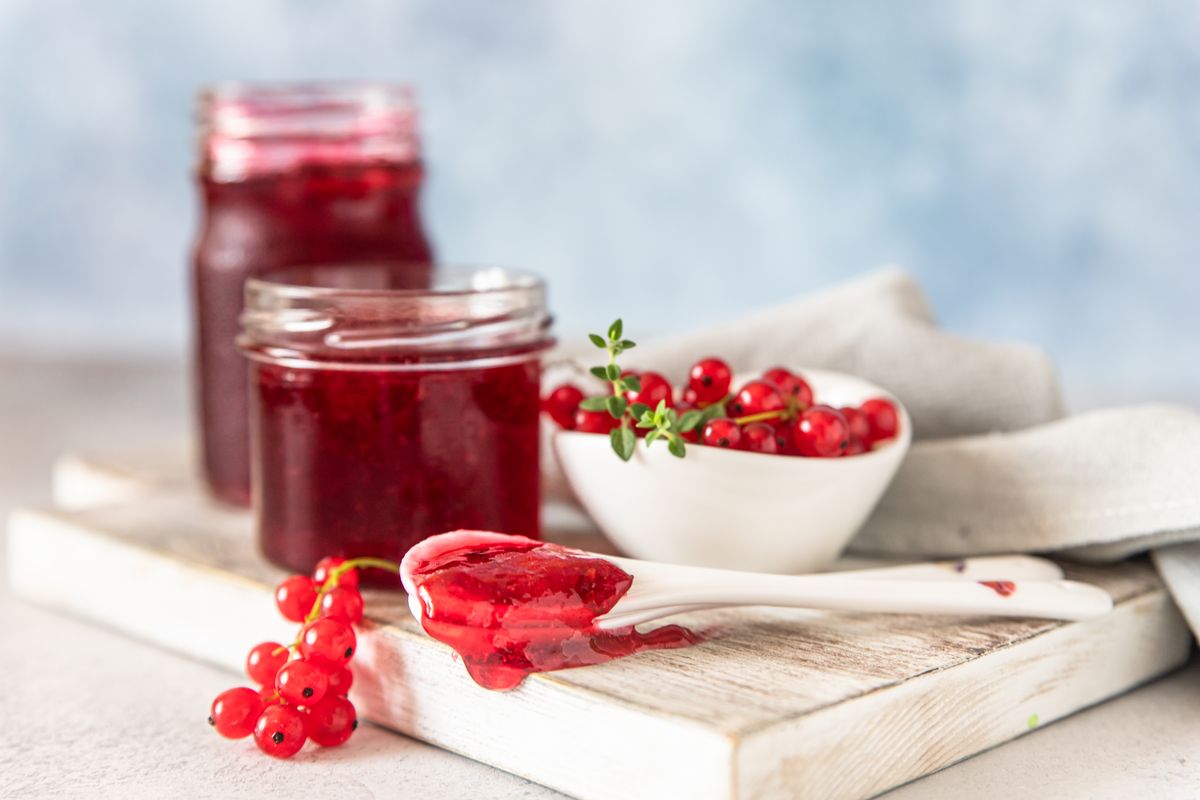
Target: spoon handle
point(980, 568)
point(1068, 600)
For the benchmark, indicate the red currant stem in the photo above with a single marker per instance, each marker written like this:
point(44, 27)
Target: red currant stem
point(760, 417)
point(284, 648)
point(336, 573)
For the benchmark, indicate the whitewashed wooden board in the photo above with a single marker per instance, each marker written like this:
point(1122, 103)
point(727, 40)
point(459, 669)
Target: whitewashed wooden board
point(777, 703)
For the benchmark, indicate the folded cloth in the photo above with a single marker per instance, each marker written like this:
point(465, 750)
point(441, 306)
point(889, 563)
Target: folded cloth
point(995, 467)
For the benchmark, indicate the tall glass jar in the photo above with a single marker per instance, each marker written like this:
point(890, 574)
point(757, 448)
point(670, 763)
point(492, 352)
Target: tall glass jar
point(291, 174)
point(381, 414)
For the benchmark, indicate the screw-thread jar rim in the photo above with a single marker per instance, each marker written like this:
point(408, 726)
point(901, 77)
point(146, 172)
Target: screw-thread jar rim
point(373, 317)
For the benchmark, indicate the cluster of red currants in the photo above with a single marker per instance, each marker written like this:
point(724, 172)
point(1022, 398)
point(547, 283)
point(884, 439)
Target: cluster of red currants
point(304, 684)
point(774, 414)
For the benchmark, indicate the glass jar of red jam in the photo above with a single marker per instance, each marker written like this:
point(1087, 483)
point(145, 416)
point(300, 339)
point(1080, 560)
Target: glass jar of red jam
point(382, 414)
point(291, 174)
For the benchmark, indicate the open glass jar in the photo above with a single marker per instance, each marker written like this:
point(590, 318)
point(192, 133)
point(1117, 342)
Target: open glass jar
point(381, 414)
point(291, 173)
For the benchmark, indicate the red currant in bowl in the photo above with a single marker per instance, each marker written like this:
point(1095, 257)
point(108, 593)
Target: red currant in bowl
point(759, 504)
point(709, 380)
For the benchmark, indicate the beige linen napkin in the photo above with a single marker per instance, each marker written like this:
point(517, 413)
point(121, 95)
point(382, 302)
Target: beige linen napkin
point(995, 467)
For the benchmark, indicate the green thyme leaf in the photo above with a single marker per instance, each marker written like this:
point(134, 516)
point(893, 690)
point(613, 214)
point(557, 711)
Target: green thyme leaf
point(612, 372)
point(711, 412)
point(689, 421)
point(600, 372)
point(639, 410)
point(594, 404)
point(614, 331)
point(616, 406)
point(625, 344)
point(598, 341)
point(652, 437)
point(623, 442)
point(676, 446)
point(632, 383)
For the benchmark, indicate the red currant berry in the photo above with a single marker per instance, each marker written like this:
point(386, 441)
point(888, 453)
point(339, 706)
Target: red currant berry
point(280, 731)
point(264, 661)
point(756, 397)
point(295, 597)
point(235, 712)
point(343, 604)
point(301, 683)
point(331, 721)
point(721, 432)
point(562, 403)
point(855, 448)
point(860, 429)
point(822, 432)
point(709, 378)
point(340, 683)
point(791, 385)
point(654, 389)
point(594, 421)
point(327, 643)
point(759, 437)
point(325, 568)
point(882, 418)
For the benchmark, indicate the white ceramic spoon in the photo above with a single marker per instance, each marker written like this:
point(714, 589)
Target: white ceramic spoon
point(982, 568)
point(661, 590)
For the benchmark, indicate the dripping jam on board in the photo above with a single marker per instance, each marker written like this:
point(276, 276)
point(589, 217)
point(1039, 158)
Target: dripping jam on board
point(511, 606)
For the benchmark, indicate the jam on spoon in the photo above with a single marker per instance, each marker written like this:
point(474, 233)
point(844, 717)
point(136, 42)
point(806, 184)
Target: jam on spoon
point(512, 606)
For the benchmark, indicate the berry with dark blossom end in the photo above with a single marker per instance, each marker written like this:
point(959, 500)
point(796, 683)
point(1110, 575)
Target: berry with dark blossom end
point(882, 417)
point(301, 683)
point(791, 385)
point(821, 432)
point(759, 437)
point(562, 403)
point(294, 597)
point(756, 397)
point(709, 378)
point(721, 432)
point(344, 604)
point(280, 731)
point(265, 661)
point(234, 712)
point(594, 421)
point(327, 643)
point(654, 389)
point(855, 448)
point(325, 568)
point(331, 721)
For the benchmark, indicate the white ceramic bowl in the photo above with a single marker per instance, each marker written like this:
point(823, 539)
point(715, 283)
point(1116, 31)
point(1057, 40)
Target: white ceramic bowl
point(732, 509)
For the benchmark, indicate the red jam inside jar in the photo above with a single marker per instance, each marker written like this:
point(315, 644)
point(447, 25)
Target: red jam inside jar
point(381, 414)
point(511, 606)
point(291, 174)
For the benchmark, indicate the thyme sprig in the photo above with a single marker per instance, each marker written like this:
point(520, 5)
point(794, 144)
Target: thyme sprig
point(661, 422)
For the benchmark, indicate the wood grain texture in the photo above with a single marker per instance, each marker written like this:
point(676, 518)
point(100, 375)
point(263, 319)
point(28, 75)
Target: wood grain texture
point(776, 703)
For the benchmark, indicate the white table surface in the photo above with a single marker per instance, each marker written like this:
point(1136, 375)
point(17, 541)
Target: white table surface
point(88, 713)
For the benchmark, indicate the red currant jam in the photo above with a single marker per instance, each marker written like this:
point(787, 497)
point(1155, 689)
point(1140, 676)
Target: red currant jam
point(512, 606)
point(385, 416)
point(291, 175)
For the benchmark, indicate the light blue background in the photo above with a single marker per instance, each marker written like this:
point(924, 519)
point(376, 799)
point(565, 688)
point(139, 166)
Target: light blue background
point(1035, 164)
